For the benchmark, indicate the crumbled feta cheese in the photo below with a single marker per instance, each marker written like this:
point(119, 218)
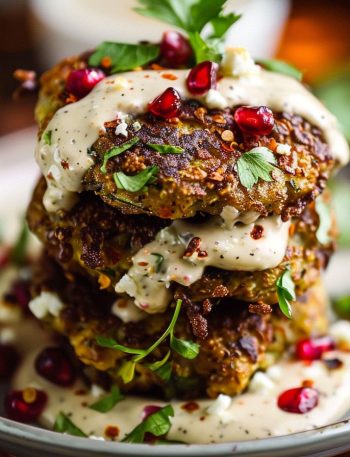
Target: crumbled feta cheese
point(127, 311)
point(45, 303)
point(238, 62)
point(283, 149)
point(122, 129)
point(221, 404)
point(96, 391)
point(340, 331)
point(274, 372)
point(7, 335)
point(127, 285)
point(214, 99)
point(137, 126)
point(261, 383)
point(120, 83)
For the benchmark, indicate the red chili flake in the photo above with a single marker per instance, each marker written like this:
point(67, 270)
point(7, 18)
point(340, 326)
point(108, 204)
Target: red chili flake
point(170, 76)
point(106, 62)
point(257, 232)
point(64, 164)
point(308, 383)
point(142, 264)
point(190, 406)
point(112, 431)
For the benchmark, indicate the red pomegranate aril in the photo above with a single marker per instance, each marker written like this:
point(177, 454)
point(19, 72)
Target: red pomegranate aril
point(166, 105)
point(54, 365)
point(9, 359)
point(175, 49)
point(149, 410)
point(202, 77)
point(255, 120)
point(81, 82)
point(25, 405)
point(299, 400)
point(313, 348)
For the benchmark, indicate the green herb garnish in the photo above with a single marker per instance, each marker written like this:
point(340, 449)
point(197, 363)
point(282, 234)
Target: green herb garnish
point(108, 402)
point(157, 423)
point(124, 56)
point(164, 372)
point(64, 425)
point(254, 165)
point(279, 66)
point(192, 16)
point(187, 349)
point(116, 151)
point(342, 306)
point(285, 292)
point(166, 148)
point(159, 261)
point(325, 222)
point(19, 251)
point(47, 137)
point(137, 182)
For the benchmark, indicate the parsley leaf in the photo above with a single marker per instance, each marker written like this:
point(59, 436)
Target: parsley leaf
point(187, 349)
point(254, 165)
point(159, 363)
point(19, 251)
point(113, 344)
point(205, 49)
point(127, 371)
point(157, 423)
point(159, 261)
point(285, 293)
point(325, 222)
point(342, 306)
point(164, 372)
point(221, 24)
point(64, 425)
point(108, 402)
point(279, 66)
point(116, 151)
point(124, 56)
point(136, 182)
point(47, 137)
point(166, 148)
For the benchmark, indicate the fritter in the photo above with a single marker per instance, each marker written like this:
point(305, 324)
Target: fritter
point(238, 343)
point(98, 239)
point(204, 176)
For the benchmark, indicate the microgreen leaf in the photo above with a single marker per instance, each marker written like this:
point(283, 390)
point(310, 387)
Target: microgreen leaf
point(116, 151)
point(158, 424)
point(165, 371)
point(254, 165)
point(136, 182)
point(187, 349)
point(285, 292)
point(325, 222)
point(159, 261)
point(166, 148)
point(108, 402)
point(279, 66)
point(222, 23)
point(47, 137)
point(124, 56)
point(19, 251)
point(159, 363)
point(113, 344)
point(64, 425)
point(127, 371)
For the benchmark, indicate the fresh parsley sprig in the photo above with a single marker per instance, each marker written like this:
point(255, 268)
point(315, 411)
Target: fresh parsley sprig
point(157, 423)
point(279, 66)
point(254, 165)
point(166, 148)
point(109, 401)
point(64, 425)
point(187, 349)
point(285, 293)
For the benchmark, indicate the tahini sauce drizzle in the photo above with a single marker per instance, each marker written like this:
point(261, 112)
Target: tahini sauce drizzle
point(76, 126)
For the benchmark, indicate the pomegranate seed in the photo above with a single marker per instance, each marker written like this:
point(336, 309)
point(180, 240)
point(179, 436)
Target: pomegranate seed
point(167, 104)
point(255, 120)
point(148, 410)
point(9, 359)
point(53, 364)
point(313, 348)
point(299, 400)
point(175, 48)
point(25, 405)
point(81, 82)
point(202, 77)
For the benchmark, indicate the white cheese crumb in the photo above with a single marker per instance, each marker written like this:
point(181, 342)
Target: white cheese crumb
point(283, 149)
point(55, 172)
point(340, 331)
point(127, 285)
point(127, 311)
point(122, 129)
point(7, 335)
point(137, 126)
point(238, 62)
point(261, 383)
point(314, 371)
point(45, 303)
point(119, 83)
point(57, 155)
point(220, 405)
point(96, 391)
point(274, 372)
point(214, 99)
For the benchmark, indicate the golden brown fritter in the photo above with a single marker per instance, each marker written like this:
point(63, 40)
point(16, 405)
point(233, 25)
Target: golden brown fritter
point(97, 238)
point(237, 344)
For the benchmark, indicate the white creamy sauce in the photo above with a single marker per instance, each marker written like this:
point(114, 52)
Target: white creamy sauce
point(75, 127)
point(226, 242)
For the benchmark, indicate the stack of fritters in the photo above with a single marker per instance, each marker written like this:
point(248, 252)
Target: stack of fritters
point(233, 316)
